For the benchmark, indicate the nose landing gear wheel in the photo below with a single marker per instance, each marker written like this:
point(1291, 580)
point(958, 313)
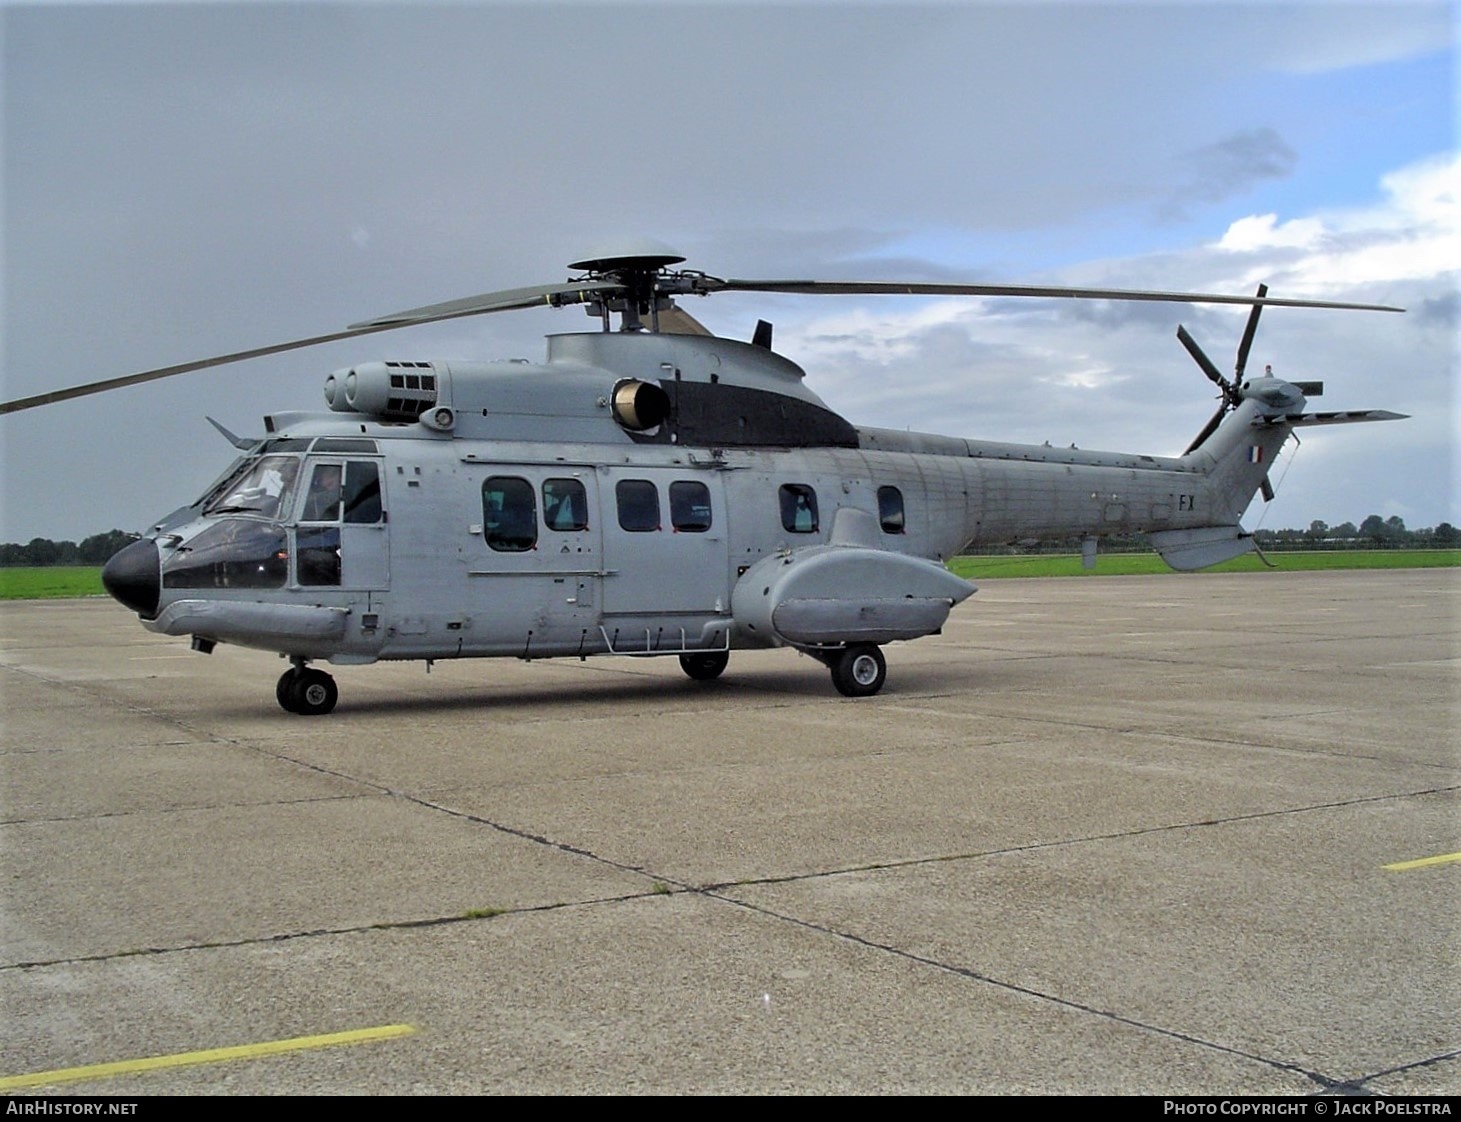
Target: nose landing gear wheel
point(306, 691)
point(859, 670)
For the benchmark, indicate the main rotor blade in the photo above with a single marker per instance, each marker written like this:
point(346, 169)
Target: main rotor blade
point(899, 288)
point(1247, 342)
point(509, 299)
point(181, 368)
point(506, 300)
point(587, 291)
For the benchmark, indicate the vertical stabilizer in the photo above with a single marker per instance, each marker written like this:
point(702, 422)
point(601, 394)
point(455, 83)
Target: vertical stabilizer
point(1238, 457)
point(1235, 458)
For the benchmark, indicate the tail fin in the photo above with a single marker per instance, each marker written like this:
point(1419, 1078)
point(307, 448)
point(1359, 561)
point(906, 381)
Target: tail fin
point(1236, 457)
point(1237, 446)
point(1239, 456)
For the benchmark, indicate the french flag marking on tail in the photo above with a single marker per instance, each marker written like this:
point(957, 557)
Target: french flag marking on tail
point(1255, 454)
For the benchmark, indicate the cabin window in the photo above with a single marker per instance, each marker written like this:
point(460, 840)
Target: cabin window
point(509, 514)
point(890, 510)
point(638, 501)
point(565, 504)
point(798, 508)
point(690, 507)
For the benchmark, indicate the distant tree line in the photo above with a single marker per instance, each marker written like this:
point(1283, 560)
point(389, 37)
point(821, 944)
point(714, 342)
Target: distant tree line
point(95, 550)
point(1373, 533)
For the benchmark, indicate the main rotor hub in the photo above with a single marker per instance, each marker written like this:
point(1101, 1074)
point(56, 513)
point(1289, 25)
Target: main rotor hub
point(641, 267)
point(629, 256)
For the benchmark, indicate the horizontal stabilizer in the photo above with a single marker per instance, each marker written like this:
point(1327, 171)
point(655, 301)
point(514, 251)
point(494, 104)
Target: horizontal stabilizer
point(1197, 549)
point(1342, 417)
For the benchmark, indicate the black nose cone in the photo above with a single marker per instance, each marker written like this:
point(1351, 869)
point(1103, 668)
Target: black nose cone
point(133, 576)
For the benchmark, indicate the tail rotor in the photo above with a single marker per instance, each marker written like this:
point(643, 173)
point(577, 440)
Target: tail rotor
point(1231, 390)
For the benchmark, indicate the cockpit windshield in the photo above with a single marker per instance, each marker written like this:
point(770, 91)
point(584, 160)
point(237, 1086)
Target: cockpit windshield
point(266, 488)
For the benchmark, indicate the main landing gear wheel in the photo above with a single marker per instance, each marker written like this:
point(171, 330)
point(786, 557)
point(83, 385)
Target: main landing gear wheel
point(859, 670)
point(282, 690)
point(705, 666)
point(306, 691)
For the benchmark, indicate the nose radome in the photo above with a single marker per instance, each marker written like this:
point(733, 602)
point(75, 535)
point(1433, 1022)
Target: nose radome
point(133, 577)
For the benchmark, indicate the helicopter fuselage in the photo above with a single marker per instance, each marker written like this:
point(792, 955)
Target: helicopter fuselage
point(637, 494)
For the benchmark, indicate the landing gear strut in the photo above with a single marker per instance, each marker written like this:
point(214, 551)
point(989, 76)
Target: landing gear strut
point(306, 691)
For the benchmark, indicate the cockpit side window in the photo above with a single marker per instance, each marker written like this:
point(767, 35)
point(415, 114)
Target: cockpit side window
point(322, 501)
point(348, 492)
point(362, 493)
point(317, 555)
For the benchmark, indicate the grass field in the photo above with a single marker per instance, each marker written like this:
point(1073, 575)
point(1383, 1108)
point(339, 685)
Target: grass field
point(68, 581)
point(50, 583)
point(1128, 564)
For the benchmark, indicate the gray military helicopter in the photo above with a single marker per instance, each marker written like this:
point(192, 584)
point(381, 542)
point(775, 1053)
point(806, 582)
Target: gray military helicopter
point(651, 490)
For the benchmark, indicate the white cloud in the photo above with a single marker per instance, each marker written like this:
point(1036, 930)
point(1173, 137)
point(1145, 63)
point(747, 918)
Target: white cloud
point(1263, 231)
point(1412, 233)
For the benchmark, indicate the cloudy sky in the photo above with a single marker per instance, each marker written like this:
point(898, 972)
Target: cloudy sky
point(187, 180)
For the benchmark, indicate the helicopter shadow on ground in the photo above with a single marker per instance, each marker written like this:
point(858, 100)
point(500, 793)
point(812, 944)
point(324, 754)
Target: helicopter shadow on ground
point(616, 690)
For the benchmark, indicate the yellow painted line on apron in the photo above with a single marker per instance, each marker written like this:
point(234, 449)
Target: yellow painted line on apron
point(208, 1056)
point(1422, 862)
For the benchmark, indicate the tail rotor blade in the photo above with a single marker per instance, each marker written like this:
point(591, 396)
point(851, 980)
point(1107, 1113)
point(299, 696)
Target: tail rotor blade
point(1208, 429)
point(1247, 343)
point(1203, 361)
